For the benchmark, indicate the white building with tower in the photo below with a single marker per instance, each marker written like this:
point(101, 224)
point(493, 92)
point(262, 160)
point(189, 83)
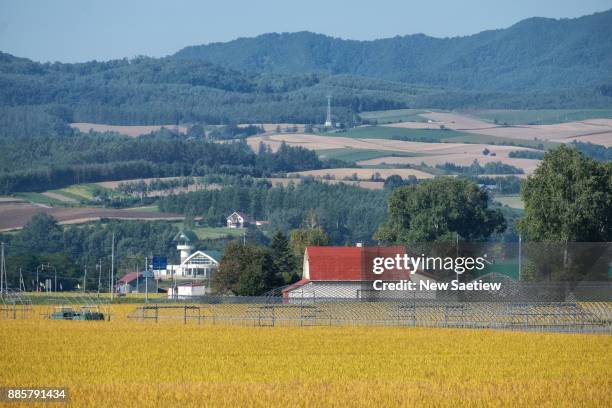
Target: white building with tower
point(194, 266)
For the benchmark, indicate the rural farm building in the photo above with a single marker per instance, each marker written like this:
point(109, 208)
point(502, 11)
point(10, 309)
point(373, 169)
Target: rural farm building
point(135, 282)
point(187, 290)
point(346, 273)
point(194, 266)
point(238, 220)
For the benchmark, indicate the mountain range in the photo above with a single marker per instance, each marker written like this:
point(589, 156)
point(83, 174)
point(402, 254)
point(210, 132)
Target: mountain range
point(536, 63)
point(540, 53)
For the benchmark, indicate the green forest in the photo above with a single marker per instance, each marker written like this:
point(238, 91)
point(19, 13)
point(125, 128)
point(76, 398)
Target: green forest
point(568, 53)
point(42, 163)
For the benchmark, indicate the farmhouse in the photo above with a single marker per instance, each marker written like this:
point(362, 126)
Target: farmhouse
point(346, 273)
point(238, 220)
point(136, 282)
point(194, 266)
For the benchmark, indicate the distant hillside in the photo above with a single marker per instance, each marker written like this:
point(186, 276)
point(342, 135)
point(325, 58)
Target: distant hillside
point(165, 91)
point(537, 53)
point(535, 64)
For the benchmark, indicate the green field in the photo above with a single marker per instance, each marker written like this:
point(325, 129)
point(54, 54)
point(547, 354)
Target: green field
point(215, 232)
point(542, 116)
point(512, 201)
point(79, 191)
point(506, 141)
point(38, 198)
point(391, 133)
point(354, 155)
point(148, 208)
point(394, 116)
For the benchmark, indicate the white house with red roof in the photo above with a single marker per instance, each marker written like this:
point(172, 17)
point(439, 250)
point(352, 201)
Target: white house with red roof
point(346, 273)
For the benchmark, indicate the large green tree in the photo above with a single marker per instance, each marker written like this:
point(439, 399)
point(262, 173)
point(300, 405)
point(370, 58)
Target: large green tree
point(436, 210)
point(301, 238)
point(284, 258)
point(42, 234)
point(246, 270)
point(568, 199)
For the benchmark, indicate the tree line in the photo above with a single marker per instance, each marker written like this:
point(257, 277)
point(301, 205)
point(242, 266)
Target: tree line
point(348, 214)
point(38, 164)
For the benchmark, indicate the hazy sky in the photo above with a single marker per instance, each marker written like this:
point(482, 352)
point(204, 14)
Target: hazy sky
point(81, 30)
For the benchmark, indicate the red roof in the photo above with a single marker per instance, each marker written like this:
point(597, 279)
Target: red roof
point(348, 263)
point(295, 285)
point(334, 263)
point(129, 277)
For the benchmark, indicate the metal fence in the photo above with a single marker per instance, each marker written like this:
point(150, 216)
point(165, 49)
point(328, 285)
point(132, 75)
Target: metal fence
point(559, 306)
point(571, 307)
point(16, 304)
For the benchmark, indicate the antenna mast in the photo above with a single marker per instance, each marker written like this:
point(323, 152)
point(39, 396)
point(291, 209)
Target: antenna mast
point(328, 118)
point(3, 277)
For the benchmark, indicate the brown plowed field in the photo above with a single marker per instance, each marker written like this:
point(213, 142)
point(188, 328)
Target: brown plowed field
point(16, 215)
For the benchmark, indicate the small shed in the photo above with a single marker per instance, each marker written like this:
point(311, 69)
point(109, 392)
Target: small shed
point(187, 291)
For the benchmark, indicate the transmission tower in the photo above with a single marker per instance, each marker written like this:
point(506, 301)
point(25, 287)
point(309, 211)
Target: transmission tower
point(328, 118)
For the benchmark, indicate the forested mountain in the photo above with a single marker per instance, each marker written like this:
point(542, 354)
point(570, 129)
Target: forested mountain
point(534, 53)
point(537, 63)
point(166, 91)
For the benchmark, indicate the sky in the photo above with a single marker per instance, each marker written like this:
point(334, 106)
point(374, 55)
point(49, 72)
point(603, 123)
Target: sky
point(84, 30)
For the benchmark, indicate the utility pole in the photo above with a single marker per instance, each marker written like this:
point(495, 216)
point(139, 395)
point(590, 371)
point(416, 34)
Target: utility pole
point(21, 282)
point(112, 265)
point(146, 277)
point(84, 279)
point(520, 257)
point(457, 244)
point(99, 268)
point(3, 277)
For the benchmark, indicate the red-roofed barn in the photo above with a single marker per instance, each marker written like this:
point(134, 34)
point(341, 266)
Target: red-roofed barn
point(346, 273)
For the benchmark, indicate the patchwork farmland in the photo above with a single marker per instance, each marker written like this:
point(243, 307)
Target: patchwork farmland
point(15, 215)
point(412, 137)
point(404, 142)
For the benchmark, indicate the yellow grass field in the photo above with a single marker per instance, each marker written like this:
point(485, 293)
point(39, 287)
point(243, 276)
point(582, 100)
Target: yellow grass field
point(124, 363)
point(590, 130)
point(429, 153)
point(363, 174)
point(133, 130)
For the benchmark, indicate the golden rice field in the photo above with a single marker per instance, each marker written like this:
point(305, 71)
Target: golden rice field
point(125, 363)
